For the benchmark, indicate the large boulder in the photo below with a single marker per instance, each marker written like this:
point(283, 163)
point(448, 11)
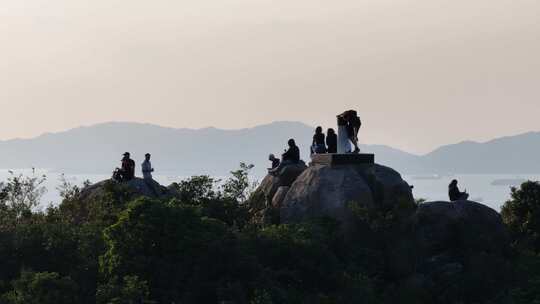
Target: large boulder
point(454, 246)
point(440, 226)
point(324, 190)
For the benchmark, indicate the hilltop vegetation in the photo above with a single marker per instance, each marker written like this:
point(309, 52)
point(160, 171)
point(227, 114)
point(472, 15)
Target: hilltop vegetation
point(201, 246)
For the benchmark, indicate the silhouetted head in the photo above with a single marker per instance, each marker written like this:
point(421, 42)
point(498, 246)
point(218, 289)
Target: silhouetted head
point(147, 156)
point(291, 143)
point(271, 157)
point(453, 183)
point(331, 131)
point(318, 130)
point(126, 155)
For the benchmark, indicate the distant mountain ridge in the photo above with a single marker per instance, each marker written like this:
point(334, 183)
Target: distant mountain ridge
point(98, 149)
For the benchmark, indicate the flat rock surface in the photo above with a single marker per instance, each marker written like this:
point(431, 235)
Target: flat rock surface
point(343, 159)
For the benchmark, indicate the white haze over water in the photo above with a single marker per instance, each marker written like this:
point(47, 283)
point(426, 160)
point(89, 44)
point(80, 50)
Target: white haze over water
point(53, 181)
point(478, 185)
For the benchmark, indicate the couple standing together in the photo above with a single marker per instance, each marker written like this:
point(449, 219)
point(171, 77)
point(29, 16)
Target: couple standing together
point(348, 126)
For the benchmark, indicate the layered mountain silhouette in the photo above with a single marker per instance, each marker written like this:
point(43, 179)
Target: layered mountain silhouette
point(98, 149)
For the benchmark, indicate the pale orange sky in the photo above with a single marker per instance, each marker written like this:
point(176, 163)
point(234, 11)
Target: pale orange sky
point(421, 72)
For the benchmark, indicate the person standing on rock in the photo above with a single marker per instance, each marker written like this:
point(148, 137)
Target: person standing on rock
point(318, 145)
point(455, 194)
point(147, 167)
point(128, 167)
point(353, 127)
point(147, 175)
point(343, 143)
point(331, 141)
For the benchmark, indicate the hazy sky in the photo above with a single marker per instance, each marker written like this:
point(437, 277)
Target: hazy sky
point(421, 72)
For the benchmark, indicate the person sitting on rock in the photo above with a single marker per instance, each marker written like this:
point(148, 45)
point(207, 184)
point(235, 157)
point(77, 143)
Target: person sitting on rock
point(331, 141)
point(455, 194)
point(128, 168)
point(290, 157)
point(318, 145)
point(275, 162)
point(117, 175)
point(147, 167)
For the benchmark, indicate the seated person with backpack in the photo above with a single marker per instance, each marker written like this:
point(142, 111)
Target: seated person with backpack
point(127, 171)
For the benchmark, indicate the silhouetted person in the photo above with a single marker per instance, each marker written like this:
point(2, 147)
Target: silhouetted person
point(275, 162)
point(455, 194)
point(128, 168)
point(290, 157)
point(318, 146)
point(147, 167)
point(147, 175)
point(353, 127)
point(331, 141)
point(343, 142)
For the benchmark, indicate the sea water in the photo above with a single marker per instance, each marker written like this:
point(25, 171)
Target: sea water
point(480, 187)
point(428, 187)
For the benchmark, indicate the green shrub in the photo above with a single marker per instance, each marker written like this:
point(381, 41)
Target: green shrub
point(522, 216)
point(43, 288)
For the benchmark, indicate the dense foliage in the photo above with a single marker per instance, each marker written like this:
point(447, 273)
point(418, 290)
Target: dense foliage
point(199, 247)
point(521, 214)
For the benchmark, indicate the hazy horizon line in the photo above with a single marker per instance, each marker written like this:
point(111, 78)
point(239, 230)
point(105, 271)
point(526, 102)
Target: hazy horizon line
point(253, 127)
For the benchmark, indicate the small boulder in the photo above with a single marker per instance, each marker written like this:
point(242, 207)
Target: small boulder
point(263, 196)
point(137, 187)
point(288, 174)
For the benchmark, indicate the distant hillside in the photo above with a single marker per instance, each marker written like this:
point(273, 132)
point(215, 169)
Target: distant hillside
point(512, 154)
point(98, 149)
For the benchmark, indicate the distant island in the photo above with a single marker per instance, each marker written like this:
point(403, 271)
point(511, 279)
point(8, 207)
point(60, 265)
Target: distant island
point(98, 149)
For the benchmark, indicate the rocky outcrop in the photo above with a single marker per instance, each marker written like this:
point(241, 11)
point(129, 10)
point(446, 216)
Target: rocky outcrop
point(433, 249)
point(262, 199)
point(136, 187)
